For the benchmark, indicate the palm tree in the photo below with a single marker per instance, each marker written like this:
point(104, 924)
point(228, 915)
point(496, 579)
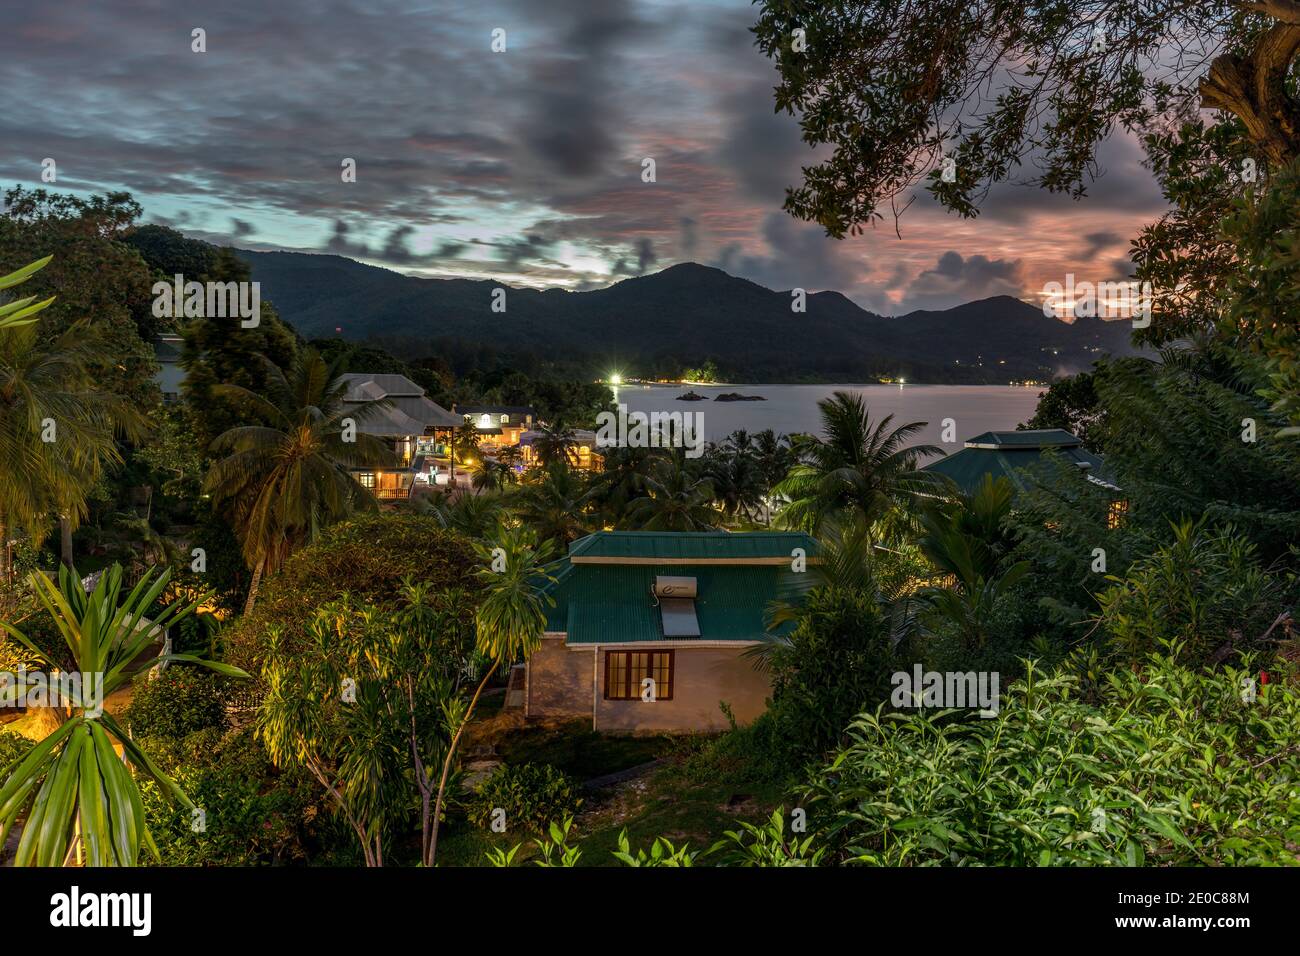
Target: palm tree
point(491, 475)
point(856, 467)
point(464, 444)
point(475, 516)
point(625, 478)
point(509, 622)
point(22, 311)
point(556, 442)
point(288, 477)
point(737, 482)
point(554, 503)
point(676, 500)
point(81, 802)
point(967, 538)
point(56, 428)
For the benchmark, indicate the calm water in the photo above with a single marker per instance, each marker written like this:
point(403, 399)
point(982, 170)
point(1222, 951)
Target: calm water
point(793, 408)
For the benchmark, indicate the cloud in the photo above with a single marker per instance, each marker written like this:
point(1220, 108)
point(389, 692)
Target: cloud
point(955, 279)
point(523, 165)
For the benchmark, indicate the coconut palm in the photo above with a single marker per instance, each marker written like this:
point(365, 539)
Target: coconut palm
point(556, 442)
point(857, 467)
point(288, 476)
point(509, 623)
point(489, 475)
point(623, 480)
point(22, 311)
point(676, 500)
point(475, 516)
point(56, 428)
point(737, 481)
point(81, 802)
point(555, 503)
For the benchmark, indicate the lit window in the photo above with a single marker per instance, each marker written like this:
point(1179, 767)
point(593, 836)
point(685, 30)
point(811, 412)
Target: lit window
point(367, 479)
point(1116, 513)
point(625, 670)
point(485, 421)
point(505, 419)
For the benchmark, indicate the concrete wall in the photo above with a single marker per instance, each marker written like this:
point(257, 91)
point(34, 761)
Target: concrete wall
point(559, 684)
point(559, 681)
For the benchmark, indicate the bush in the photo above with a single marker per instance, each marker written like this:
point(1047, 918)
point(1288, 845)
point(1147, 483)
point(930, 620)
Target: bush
point(533, 795)
point(1198, 598)
point(1172, 767)
point(13, 747)
point(367, 558)
point(252, 813)
point(836, 663)
point(176, 702)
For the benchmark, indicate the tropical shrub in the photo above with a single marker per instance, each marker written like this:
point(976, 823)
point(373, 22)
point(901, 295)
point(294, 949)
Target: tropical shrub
point(12, 747)
point(372, 696)
point(1199, 598)
point(766, 845)
point(80, 799)
point(175, 702)
point(532, 796)
point(251, 813)
point(1172, 767)
point(834, 664)
point(367, 558)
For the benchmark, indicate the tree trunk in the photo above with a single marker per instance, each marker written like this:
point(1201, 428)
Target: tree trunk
point(253, 586)
point(451, 755)
point(65, 541)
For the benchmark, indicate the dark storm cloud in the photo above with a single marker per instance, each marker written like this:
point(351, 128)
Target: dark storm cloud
point(473, 162)
point(571, 122)
point(802, 257)
point(1095, 242)
point(955, 279)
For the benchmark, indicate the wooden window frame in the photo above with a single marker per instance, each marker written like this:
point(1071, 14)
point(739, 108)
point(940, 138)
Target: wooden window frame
point(634, 693)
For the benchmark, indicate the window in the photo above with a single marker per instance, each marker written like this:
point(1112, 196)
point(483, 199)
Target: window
point(505, 419)
point(1116, 513)
point(624, 671)
point(367, 479)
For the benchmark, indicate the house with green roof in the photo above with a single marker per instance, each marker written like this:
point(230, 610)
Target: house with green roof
point(1009, 454)
point(649, 629)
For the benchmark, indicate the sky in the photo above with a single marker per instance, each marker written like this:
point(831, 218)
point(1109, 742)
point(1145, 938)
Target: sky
point(524, 166)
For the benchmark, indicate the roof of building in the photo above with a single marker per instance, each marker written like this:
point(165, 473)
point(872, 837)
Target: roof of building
point(732, 547)
point(1008, 454)
point(603, 590)
point(167, 348)
point(410, 412)
point(491, 409)
point(364, 385)
point(580, 435)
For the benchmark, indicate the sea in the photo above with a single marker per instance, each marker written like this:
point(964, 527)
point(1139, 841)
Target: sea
point(793, 408)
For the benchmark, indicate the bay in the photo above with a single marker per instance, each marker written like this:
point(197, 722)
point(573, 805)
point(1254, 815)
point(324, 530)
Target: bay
point(793, 408)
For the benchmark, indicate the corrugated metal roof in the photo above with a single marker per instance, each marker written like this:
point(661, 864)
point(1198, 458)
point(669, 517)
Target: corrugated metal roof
point(1030, 438)
point(969, 466)
point(614, 603)
point(716, 545)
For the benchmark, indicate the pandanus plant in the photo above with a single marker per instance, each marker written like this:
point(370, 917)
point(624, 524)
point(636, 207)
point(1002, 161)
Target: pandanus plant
point(21, 311)
point(82, 802)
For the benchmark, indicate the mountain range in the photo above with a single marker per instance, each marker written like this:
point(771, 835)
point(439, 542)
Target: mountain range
point(656, 325)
